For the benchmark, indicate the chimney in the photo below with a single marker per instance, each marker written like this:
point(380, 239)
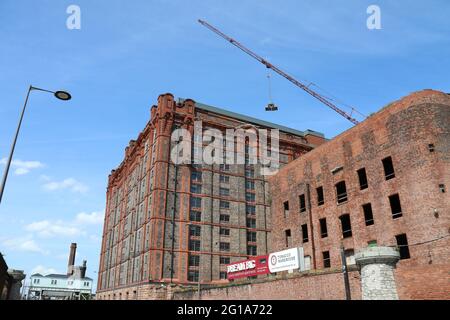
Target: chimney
point(71, 263)
point(83, 269)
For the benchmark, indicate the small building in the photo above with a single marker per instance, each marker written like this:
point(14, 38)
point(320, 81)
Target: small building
point(59, 287)
point(71, 286)
point(10, 281)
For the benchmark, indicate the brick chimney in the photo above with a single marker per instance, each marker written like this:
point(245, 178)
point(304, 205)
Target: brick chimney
point(71, 263)
point(83, 269)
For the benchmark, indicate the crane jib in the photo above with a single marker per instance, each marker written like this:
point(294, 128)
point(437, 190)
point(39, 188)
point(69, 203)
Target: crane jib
point(281, 73)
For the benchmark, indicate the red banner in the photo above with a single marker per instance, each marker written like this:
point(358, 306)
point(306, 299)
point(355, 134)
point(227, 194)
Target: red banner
point(248, 268)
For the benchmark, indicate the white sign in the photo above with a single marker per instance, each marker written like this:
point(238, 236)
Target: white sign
point(289, 259)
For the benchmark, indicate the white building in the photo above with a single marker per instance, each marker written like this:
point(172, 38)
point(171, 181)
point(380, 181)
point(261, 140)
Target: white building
point(59, 287)
point(71, 286)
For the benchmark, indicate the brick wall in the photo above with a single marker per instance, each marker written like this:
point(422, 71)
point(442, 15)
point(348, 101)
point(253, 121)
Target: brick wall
point(319, 285)
point(404, 131)
point(424, 282)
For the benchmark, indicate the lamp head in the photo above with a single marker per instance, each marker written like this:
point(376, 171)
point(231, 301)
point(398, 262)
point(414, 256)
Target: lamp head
point(63, 95)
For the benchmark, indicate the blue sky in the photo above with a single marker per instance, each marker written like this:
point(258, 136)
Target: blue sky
point(129, 52)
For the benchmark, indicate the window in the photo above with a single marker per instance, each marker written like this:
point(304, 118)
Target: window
point(223, 275)
point(286, 208)
point(194, 260)
point(249, 209)
point(193, 276)
point(362, 176)
point(372, 243)
point(402, 243)
point(195, 216)
point(323, 228)
point(320, 198)
point(249, 173)
point(224, 260)
point(284, 157)
point(196, 176)
point(251, 223)
point(252, 251)
point(224, 167)
point(302, 203)
point(307, 262)
point(442, 188)
point(431, 147)
point(196, 188)
point(225, 179)
point(326, 259)
point(224, 246)
point(349, 256)
point(287, 234)
point(250, 197)
point(196, 202)
point(305, 233)
point(194, 245)
point(396, 207)
point(224, 231)
point(224, 204)
point(368, 215)
point(194, 231)
point(250, 185)
point(224, 192)
point(388, 168)
point(251, 236)
point(224, 218)
point(54, 282)
point(346, 226)
point(341, 192)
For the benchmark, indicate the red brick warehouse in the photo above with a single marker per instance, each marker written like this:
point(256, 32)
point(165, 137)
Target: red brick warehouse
point(383, 182)
point(183, 224)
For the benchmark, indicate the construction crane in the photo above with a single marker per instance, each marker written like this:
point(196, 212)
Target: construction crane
point(281, 73)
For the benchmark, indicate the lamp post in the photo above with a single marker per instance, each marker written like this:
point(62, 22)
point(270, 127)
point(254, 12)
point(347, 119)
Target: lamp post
point(62, 95)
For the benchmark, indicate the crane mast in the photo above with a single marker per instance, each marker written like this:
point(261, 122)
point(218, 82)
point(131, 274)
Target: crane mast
point(280, 72)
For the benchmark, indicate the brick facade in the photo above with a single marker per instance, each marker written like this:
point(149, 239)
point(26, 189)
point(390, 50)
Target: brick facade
point(408, 200)
point(177, 223)
point(400, 199)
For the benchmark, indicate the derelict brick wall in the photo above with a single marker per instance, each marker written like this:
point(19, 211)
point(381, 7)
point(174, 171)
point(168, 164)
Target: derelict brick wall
point(403, 130)
point(323, 286)
point(424, 282)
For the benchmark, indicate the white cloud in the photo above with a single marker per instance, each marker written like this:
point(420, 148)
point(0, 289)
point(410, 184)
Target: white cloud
point(26, 244)
point(43, 270)
point(23, 167)
point(50, 229)
point(69, 183)
point(89, 218)
point(71, 228)
point(95, 238)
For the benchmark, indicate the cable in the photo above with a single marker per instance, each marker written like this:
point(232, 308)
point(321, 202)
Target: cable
point(420, 243)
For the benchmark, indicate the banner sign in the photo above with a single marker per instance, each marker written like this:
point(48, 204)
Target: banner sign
point(247, 268)
point(289, 259)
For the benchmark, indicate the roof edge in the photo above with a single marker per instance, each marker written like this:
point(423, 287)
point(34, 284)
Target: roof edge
point(253, 120)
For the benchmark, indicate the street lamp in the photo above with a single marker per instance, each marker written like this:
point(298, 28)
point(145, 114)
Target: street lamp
point(62, 95)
